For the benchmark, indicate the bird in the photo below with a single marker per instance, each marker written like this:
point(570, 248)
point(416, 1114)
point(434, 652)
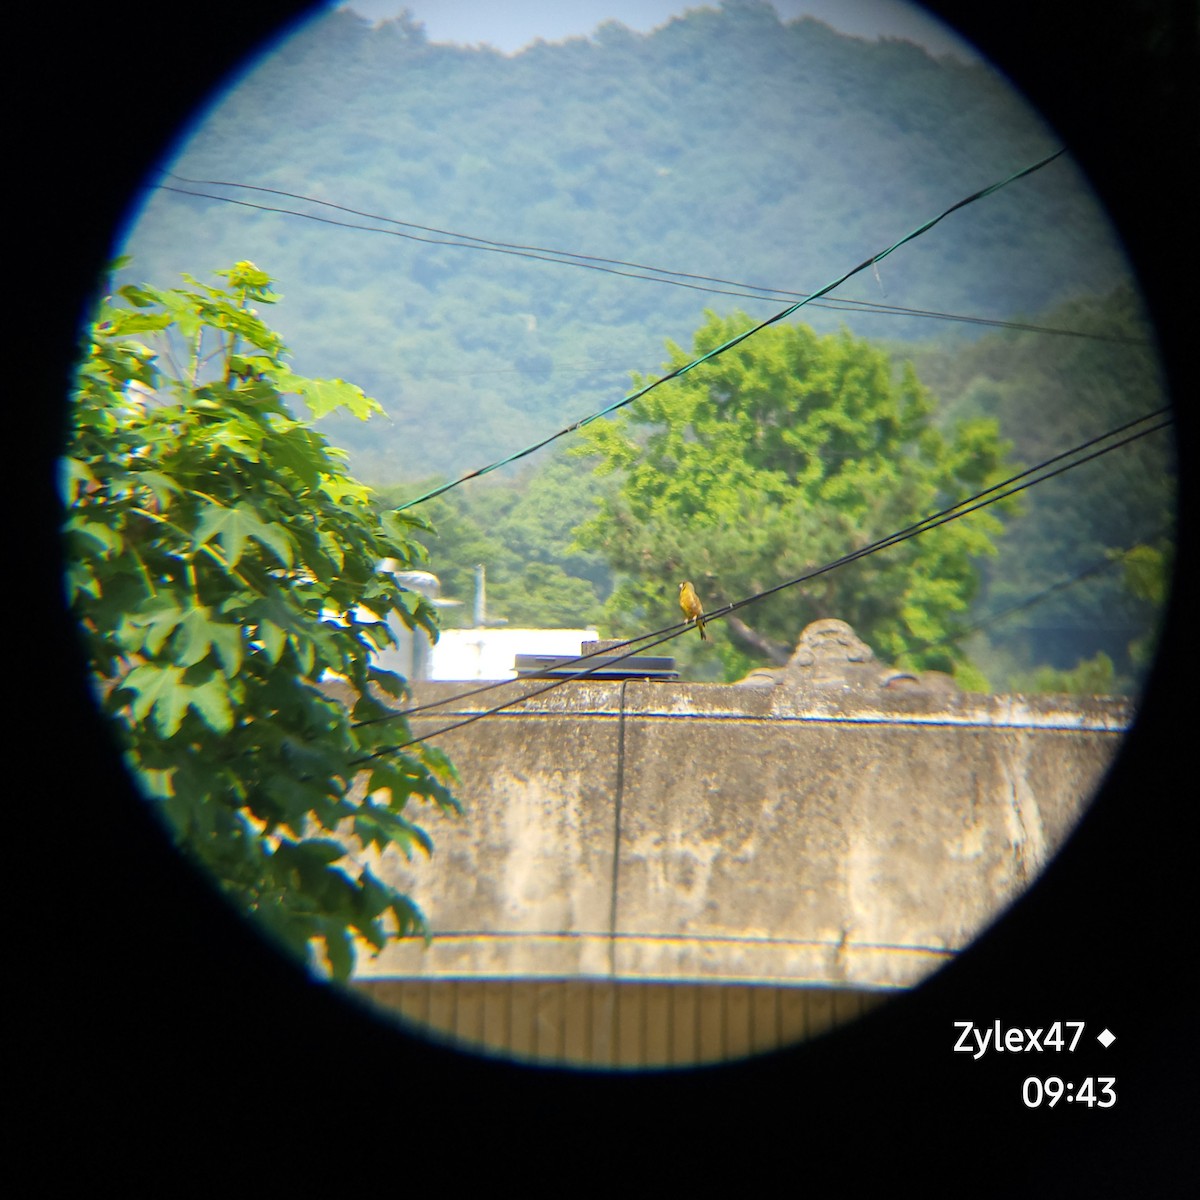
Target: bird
point(692, 608)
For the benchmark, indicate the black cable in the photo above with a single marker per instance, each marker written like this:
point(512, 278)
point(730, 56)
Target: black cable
point(953, 512)
point(570, 258)
point(956, 511)
point(673, 630)
point(1029, 602)
point(737, 339)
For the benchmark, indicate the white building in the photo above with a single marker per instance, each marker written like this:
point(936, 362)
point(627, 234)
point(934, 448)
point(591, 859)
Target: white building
point(482, 653)
point(490, 653)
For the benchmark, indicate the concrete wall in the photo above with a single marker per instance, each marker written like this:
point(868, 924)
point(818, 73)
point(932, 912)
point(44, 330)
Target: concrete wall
point(831, 834)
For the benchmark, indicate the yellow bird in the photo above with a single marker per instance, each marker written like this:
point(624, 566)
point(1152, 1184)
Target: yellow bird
point(692, 608)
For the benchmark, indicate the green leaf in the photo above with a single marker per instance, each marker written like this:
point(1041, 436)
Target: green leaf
point(273, 639)
point(308, 854)
point(232, 526)
point(196, 639)
point(246, 275)
point(410, 920)
point(161, 693)
point(339, 949)
point(231, 739)
point(74, 476)
point(161, 486)
point(198, 632)
point(338, 488)
point(211, 702)
point(159, 616)
point(375, 897)
point(141, 297)
point(107, 539)
point(324, 396)
point(244, 442)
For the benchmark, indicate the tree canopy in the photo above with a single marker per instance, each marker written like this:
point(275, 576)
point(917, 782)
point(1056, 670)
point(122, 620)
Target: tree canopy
point(783, 454)
point(223, 567)
point(1069, 601)
point(521, 531)
point(726, 143)
point(1050, 393)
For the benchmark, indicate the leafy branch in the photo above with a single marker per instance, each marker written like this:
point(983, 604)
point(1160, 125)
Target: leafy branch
point(223, 568)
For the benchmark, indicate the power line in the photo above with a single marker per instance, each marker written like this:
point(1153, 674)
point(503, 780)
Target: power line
point(548, 256)
point(739, 338)
point(1062, 585)
point(674, 631)
point(974, 504)
point(571, 258)
point(992, 495)
point(910, 530)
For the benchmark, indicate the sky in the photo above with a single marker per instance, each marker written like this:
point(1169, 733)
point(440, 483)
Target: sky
point(508, 25)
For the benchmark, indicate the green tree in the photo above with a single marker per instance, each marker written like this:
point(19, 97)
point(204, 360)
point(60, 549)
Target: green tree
point(521, 530)
point(1048, 394)
point(1147, 571)
point(1089, 677)
point(669, 148)
point(778, 456)
point(222, 565)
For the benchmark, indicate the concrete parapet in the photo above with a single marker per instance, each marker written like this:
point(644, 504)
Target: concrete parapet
point(833, 836)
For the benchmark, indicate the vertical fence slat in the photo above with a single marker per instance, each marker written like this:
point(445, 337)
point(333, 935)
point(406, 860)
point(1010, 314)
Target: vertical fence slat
point(657, 1020)
point(601, 1023)
point(548, 1021)
point(737, 1021)
point(764, 1019)
point(685, 1023)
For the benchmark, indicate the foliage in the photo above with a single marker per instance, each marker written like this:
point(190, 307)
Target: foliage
point(781, 455)
point(521, 527)
point(222, 565)
point(1090, 677)
point(726, 143)
point(1050, 393)
point(520, 530)
point(1147, 577)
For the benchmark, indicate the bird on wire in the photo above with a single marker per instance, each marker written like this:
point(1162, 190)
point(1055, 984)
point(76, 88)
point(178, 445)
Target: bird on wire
point(692, 608)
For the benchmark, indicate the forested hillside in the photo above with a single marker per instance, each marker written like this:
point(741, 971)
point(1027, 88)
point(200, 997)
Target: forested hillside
point(725, 144)
point(733, 150)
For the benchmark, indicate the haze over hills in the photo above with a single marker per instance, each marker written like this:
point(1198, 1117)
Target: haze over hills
point(727, 144)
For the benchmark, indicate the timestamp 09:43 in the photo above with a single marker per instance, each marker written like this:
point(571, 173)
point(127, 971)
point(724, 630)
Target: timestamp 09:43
point(1098, 1091)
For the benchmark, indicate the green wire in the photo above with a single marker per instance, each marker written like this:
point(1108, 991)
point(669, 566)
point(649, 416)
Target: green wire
point(741, 337)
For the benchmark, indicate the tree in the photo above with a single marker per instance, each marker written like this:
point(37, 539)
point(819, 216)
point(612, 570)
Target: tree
point(1048, 394)
point(223, 566)
point(778, 456)
point(668, 148)
point(521, 530)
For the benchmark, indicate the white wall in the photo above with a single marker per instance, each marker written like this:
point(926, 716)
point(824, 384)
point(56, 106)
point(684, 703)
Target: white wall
point(489, 653)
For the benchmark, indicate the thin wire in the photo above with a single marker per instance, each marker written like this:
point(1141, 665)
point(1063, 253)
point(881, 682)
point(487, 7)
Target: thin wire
point(465, 238)
point(739, 338)
point(952, 514)
point(673, 630)
point(677, 630)
point(575, 258)
point(462, 245)
point(749, 291)
point(658, 274)
point(1033, 601)
point(831, 303)
point(961, 509)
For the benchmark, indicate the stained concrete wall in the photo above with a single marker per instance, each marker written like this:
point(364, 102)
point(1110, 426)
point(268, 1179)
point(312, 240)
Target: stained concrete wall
point(830, 835)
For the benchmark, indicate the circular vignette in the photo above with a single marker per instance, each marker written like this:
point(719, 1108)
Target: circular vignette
point(167, 947)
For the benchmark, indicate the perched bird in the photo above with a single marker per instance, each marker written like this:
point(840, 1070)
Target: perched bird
point(692, 608)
